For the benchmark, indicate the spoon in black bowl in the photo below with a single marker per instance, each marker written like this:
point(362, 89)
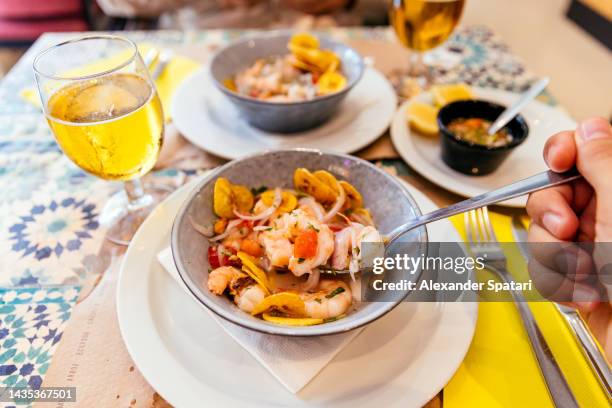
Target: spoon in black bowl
point(510, 112)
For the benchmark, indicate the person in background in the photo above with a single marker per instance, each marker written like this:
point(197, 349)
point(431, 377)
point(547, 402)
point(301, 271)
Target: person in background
point(201, 14)
point(580, 212)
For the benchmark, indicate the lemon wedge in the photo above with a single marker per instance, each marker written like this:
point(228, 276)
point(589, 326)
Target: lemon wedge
point(422, 117)
point(445, 94)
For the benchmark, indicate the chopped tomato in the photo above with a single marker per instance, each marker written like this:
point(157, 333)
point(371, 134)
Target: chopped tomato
point(251, 247)
point(214, 261)
point(305, 245)
point(315, 77)
point(213, 257)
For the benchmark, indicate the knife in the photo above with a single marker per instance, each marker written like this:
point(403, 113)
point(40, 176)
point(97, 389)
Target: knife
point(590, 348)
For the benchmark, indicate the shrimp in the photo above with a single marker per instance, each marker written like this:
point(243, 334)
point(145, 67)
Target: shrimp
point(279, 242)
point(220, 278)
point(342, 245)
point(368, 234)
point(311, 207)
point(277, 247)
point(333, 299)
point(249, 297)
point(246, 293)
point(347, 240)
point(300, 222)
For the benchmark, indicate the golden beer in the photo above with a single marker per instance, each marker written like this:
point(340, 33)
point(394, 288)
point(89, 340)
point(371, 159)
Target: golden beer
point(110, 126)
point(424, 24)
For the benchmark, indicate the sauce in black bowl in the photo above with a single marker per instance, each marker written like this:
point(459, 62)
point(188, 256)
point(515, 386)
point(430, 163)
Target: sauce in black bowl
point(467, 149)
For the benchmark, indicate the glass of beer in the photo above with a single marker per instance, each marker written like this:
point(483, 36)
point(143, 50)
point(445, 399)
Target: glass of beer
point(104, 111)
point(421, 25)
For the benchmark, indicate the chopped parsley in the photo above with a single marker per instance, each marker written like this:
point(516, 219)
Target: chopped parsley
point(300, 260)
point(333, 319)
point(335, 292)
point(317, 300)
point(313, 227)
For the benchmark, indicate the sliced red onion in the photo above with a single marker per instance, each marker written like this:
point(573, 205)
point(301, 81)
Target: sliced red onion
point(354, 258)
point(206, 231)
point(362, 220)
point(313, 280)
point(265, 213)
point(221, 254)
point(337, 205)
point(265, 264)
point(228, 229)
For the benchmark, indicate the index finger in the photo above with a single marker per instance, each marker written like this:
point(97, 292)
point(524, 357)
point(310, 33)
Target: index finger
point(560, 151)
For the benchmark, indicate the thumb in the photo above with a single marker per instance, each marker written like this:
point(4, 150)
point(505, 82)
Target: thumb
point(594, 157)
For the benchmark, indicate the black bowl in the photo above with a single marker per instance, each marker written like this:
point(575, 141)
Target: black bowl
point(475, 159)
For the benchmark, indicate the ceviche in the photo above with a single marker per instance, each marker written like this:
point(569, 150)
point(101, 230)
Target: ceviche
point(272, 249)
point(305, 73)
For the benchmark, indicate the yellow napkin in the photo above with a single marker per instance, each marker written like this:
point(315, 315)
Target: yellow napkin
point(500, 369)
point(177, 69)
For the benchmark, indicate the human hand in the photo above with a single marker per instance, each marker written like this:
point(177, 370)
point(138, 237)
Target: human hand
point(578, 212)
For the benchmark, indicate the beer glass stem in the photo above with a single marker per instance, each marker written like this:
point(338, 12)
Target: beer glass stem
point(137, 198)
point(418, 69)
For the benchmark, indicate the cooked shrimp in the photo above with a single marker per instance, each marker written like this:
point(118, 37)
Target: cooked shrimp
point(246, 293)
point(332, 299)
point(298, 241)
point(311, 207)
point(318, 249)
point(249, 297)
point(220, 278)
point(277, 247)
point(348, 239)
point(342, 246)
point(368, 234)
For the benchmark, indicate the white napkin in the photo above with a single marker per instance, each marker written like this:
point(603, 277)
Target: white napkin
point(294, 361)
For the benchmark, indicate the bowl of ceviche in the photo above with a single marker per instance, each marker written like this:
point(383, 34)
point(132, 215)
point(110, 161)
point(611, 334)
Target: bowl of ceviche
point(286, 82)
point(256, 239)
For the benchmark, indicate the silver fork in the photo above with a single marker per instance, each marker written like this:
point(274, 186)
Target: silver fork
point(483, 243)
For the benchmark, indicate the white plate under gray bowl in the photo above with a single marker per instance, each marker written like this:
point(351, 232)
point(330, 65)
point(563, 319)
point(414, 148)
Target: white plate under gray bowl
point(403, 359)
point(422, 153)
point(207, 119)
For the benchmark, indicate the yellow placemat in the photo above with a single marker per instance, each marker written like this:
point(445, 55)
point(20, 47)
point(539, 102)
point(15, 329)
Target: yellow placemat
point(176, 71)
point(500, 369)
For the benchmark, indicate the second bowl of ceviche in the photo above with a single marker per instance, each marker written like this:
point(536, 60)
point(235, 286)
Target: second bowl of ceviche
point(256, 239)
point(286, 82)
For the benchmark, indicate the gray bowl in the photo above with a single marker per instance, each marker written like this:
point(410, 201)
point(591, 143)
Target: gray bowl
point(281, 117)
point(390, 203)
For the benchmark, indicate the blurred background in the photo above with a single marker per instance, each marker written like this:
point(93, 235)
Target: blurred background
point(568, 40)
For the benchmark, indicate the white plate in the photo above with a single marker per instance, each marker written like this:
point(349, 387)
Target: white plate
point(403, 359)
point(209, 120)
point(423, 153)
